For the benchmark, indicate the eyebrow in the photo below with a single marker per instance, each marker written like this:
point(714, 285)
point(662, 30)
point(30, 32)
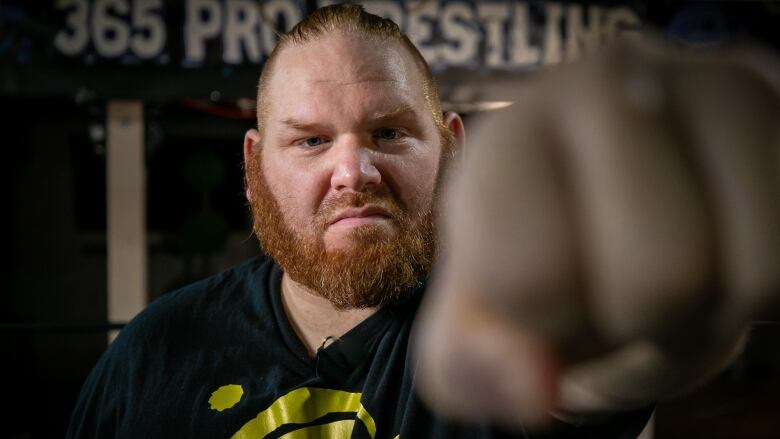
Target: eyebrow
point(378, 117)
point(393, 114)
point(299, 125)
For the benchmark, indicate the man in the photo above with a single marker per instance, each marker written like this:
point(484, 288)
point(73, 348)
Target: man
point(344, 176)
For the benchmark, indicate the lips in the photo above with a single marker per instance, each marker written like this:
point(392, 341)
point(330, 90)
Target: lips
point(358, 213)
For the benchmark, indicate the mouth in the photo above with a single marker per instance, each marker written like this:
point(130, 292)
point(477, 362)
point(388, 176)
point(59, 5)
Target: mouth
point(361, 216)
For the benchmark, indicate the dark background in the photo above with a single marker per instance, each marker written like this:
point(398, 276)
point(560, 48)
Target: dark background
point(53, 305)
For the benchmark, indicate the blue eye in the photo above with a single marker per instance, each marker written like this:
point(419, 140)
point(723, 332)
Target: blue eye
point(313, 141)
point(388, 134)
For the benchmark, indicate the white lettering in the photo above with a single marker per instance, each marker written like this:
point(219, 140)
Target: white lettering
point(454, 26)
point(149, 44)
point(272, 12)
point(203, 22)
point(74, 39)
point(622, 21)
point(552, 33)
point(420, 15)
point(523, 53)
point(111, 35)
point(494, 16)
point(447, 32)
point(577, 35)
point(240, 30)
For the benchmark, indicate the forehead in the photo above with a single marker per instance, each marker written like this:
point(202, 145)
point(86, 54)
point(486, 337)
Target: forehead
point(345, 72)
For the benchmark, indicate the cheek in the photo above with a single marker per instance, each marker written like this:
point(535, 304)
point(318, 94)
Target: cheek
point(295, 192)
point(417, 180)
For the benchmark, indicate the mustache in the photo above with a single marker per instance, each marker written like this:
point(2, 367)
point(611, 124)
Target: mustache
point(374, 196)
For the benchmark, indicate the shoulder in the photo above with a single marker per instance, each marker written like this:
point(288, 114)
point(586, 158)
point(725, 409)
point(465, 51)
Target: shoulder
point(147, 357)
point(181, 312)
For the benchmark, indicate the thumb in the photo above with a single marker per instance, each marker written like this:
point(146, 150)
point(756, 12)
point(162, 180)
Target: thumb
point(474, 365)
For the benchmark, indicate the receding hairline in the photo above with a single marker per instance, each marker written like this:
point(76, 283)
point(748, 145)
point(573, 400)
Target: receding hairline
point(351, 21)
point(429, 90)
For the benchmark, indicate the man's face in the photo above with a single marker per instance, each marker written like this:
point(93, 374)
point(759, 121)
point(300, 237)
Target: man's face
point(343, 182)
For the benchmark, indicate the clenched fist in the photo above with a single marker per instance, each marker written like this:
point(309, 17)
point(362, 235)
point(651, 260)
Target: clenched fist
point(607, 238)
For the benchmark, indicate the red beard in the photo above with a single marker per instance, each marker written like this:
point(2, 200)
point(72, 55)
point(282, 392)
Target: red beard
point(374, 271)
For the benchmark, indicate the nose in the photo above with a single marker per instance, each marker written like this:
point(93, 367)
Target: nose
point(354, 166)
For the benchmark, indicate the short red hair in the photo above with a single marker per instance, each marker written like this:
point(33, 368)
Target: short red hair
point(351, 20)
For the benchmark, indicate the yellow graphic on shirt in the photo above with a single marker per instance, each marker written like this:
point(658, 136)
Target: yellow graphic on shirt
point(336, 429)
point(305, 405)
point(226, 397)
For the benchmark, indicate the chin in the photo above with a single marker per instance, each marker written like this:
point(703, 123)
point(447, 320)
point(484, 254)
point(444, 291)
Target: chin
point(359, 237)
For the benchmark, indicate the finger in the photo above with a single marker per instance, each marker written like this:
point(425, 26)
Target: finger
point(639, 372)
point(644, 229)
point(506, 279)
point(509, 222)
point(475, 366)
point(732, 116)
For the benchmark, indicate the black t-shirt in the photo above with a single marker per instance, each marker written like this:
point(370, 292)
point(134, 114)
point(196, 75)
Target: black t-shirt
point(219, 359)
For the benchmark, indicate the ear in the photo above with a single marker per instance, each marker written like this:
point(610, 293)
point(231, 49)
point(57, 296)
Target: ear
point(453, 121)
point(251, 146)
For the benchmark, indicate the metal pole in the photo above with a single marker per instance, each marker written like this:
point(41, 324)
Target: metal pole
point(126, 215)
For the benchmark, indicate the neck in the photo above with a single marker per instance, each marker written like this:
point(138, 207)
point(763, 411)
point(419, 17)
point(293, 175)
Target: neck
point(314, 318)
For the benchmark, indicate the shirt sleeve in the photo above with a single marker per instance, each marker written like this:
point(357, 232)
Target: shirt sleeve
point(99, 405)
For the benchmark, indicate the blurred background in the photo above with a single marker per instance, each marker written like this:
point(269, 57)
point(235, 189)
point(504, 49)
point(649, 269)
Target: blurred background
point(122, 130)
